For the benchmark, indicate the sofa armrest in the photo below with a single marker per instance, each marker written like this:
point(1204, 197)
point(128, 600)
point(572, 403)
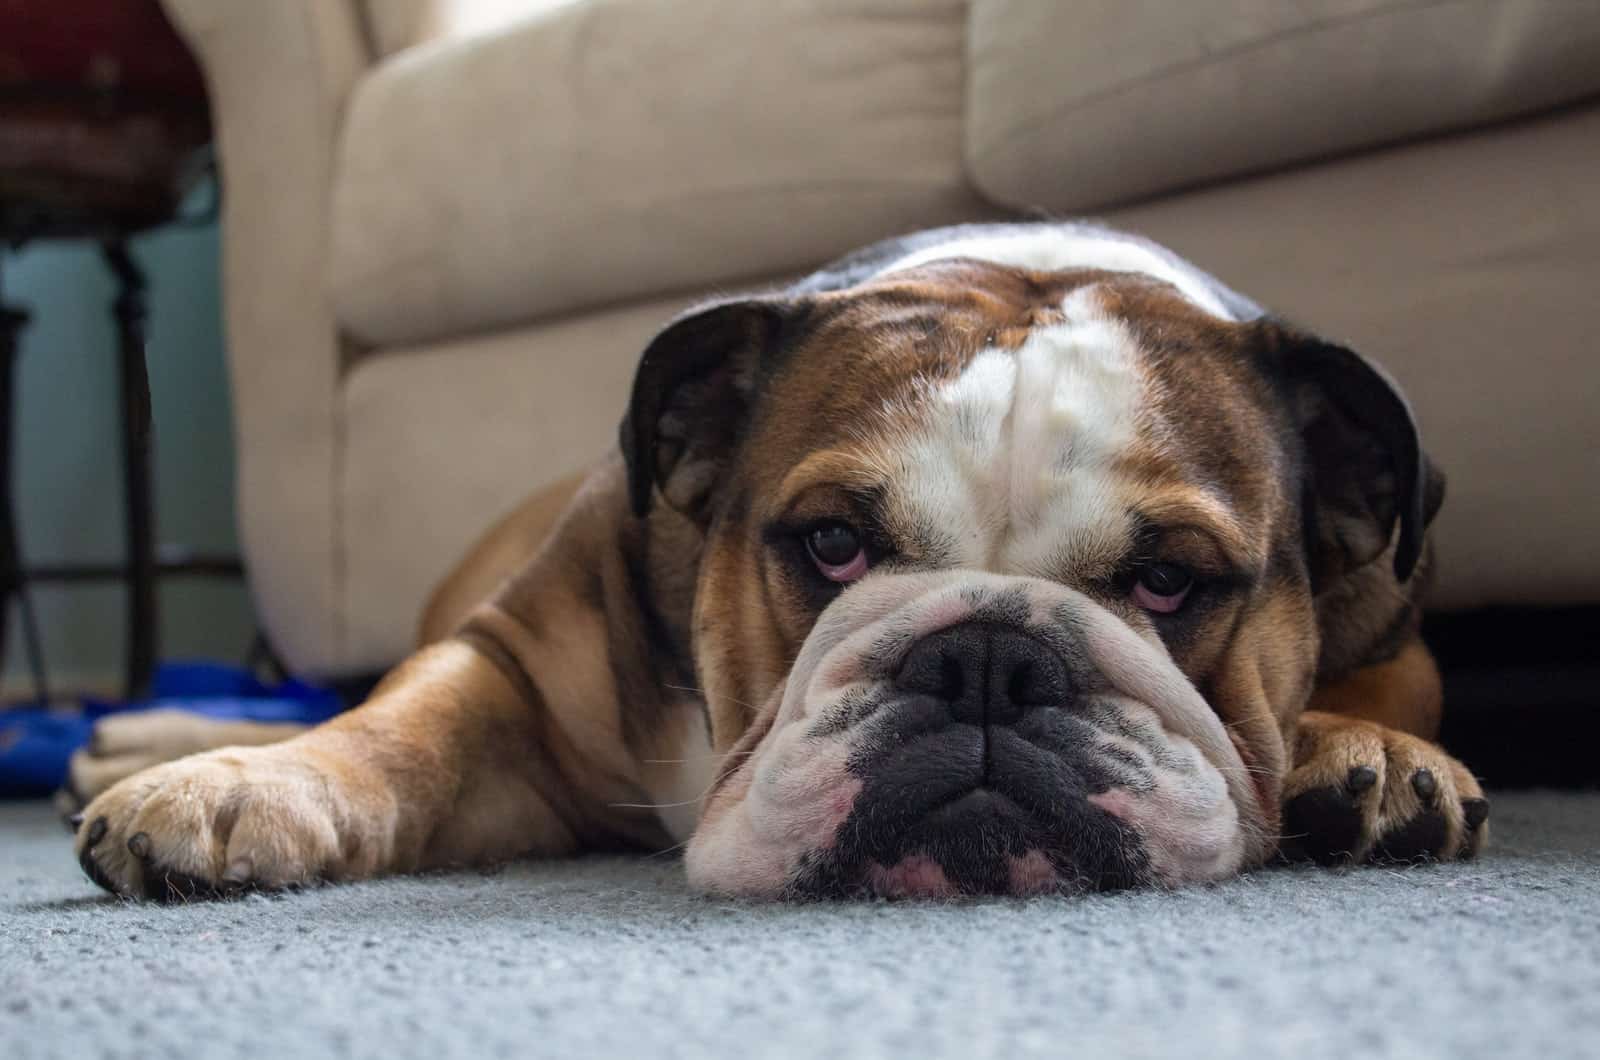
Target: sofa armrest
point(279, 74)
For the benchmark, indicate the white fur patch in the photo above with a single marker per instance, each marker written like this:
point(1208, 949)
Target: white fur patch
point(1052, 249)
point(1012, 471)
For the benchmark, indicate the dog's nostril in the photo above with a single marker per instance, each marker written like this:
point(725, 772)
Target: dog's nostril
point(1035, 675)
point(1020, 686)
point(938, 666)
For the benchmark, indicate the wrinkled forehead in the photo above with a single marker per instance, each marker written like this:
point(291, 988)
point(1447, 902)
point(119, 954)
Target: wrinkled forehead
point(1066, 404)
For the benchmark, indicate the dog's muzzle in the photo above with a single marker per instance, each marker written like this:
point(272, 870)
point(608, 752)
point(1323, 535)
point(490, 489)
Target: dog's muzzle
point(965, 733)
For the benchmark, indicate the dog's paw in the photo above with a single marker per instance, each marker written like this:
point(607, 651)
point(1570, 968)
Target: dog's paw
point(126, 743)
point(1361, 792)
point(217, 823)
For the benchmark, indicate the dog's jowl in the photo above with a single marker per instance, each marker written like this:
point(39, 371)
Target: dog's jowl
point(998, 559)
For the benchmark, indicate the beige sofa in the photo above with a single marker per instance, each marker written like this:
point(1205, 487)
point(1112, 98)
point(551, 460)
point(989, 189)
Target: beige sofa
point(450, 226)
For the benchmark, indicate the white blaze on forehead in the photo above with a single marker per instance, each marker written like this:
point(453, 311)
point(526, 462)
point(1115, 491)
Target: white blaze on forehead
point(1014, 467)
point(1053, 249)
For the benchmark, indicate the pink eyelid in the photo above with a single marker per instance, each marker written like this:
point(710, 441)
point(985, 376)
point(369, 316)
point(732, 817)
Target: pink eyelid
point(844, 572)
point(1163, 605)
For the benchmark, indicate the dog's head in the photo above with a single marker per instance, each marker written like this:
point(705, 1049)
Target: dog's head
point(1007, 578)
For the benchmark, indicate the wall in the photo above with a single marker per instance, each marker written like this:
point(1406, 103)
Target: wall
point(67, 463)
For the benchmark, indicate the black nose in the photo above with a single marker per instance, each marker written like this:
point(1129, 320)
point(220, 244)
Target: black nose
point(988, 674)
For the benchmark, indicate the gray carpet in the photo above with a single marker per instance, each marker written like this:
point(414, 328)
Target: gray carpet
point(610, 957)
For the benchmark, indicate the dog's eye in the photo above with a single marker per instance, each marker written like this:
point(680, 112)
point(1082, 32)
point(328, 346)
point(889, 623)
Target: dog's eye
point(837, 551)
point(1162, 587)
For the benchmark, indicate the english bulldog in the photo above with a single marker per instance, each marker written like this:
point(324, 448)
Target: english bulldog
point(999, 559)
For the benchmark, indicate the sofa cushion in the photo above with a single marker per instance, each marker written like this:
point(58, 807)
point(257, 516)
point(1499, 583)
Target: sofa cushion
point(1074, 106)
point(605, 151)
point(440, 441)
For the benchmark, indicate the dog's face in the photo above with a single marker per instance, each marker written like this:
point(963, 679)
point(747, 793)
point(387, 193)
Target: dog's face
point(1006, 582)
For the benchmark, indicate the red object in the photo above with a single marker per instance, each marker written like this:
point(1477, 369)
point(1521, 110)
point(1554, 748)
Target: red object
point(101, 108)
point(99, 45)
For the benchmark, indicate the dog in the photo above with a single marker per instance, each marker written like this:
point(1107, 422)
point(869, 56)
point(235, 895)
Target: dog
point(998, 559)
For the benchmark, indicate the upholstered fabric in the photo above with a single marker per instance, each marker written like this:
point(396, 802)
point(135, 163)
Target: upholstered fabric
point(626, 148)
point(442, 440)
point(1073, 106)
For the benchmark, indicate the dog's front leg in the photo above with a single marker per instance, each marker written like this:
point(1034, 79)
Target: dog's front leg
point(449, 762)
point(516, 735)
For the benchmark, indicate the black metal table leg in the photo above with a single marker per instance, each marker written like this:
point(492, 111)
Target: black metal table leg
point(13, 583)
point(130, 310)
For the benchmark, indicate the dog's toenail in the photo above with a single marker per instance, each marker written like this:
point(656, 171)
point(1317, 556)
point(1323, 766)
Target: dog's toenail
point(76, 820)
point(139, 845)
point(97, 831)
point(1361, 778)
point(1423, 783)
point(238, 872)
point(1476, 811)
point(92, 869)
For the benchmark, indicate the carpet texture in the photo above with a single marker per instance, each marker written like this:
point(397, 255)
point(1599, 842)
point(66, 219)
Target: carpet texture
point(614, 957)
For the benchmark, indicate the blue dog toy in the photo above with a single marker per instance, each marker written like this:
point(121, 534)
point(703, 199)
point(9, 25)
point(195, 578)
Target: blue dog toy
point(36, 743)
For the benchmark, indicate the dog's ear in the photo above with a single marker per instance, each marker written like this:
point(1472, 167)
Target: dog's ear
point(1366, 471)
point(691, 397)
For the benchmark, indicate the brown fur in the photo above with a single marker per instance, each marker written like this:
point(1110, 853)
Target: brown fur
point(502, 551)
point(1402, 693)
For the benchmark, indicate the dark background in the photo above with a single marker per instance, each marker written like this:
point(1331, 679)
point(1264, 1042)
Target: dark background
point(1521, 693)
